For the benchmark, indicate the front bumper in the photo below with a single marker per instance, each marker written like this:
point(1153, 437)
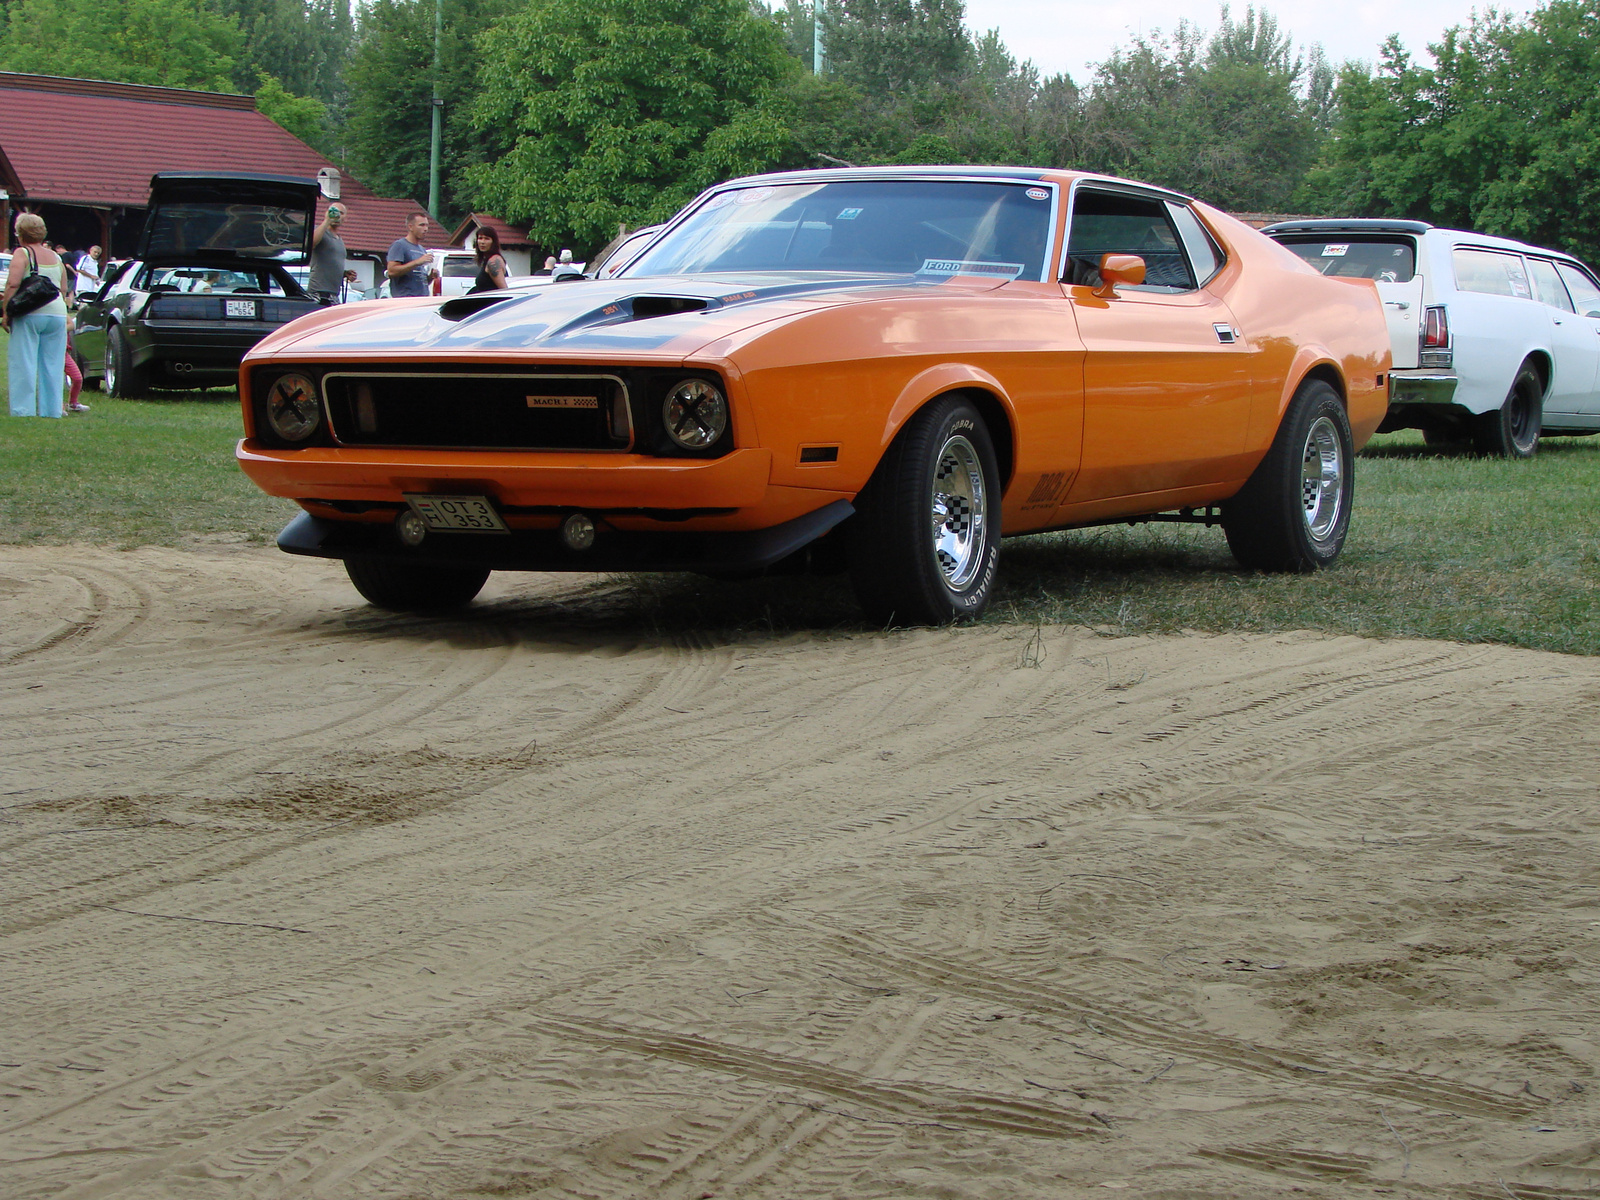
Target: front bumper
point(517, 479)
point(542, 549)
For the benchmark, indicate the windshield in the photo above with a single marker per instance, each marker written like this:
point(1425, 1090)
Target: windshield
point(936, 228)
point(208, 228)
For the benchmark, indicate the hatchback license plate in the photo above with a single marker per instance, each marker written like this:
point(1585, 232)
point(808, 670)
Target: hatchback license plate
point(457, 514)
point(242, 308)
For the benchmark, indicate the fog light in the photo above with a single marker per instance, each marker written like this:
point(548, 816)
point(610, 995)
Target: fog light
point(577, 531)
point(411, 528)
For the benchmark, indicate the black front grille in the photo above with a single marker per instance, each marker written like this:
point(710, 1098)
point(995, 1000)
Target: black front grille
point(479, 411)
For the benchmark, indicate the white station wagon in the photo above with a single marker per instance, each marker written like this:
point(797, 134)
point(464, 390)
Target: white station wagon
point(1494, 341)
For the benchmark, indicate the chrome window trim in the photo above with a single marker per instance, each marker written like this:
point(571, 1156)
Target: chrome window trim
point(627, 400)
point(1123, 187)
point(867, 175)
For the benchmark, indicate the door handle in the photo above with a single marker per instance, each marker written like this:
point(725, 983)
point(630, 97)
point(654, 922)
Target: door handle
point(1400, 304)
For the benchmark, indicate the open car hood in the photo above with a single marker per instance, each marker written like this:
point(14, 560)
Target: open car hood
point(263, 218)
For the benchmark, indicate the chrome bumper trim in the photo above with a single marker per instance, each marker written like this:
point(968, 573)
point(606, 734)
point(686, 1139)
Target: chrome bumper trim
point(1421, 389)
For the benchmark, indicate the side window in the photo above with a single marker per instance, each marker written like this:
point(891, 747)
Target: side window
point(1205, 256)
point(1491, 272)
point(1114, 223)
point(1583, 289)
point(1547, 285)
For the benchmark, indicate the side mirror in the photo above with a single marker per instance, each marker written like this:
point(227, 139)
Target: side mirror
point(1126, 269)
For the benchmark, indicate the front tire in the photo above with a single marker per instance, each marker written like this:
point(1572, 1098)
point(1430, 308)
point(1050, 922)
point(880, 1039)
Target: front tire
point(414, 587)
point(924, 544)
point(1512, 430)
point(1294, 511)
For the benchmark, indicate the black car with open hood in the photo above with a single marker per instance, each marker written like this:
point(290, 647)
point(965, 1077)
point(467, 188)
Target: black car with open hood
point(209, 283)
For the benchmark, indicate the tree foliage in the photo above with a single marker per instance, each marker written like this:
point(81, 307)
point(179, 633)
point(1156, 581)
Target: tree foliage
point(388, 133)
point(1500, 134)
point(304, 116)
point(611, 111)
point(170, 43)
point(303, 44)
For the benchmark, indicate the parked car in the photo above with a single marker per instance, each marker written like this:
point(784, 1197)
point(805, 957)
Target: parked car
point(210, 281)
point(877, 370)
point(1494, 341)
point(622, 250)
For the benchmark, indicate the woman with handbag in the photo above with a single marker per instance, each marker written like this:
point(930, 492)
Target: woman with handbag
point(35, 312)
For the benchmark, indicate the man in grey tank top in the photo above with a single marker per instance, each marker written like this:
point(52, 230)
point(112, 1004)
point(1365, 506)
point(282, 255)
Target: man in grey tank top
point(328, 258)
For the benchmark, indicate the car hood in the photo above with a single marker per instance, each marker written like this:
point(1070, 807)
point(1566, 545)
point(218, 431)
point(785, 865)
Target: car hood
point(235, 217)
point(667, 315)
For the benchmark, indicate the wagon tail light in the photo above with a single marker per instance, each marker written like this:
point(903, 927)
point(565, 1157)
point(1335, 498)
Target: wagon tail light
point(1434, 347)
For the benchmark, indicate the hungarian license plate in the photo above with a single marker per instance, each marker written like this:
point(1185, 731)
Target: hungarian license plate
point(241, 308)
point(457, 514)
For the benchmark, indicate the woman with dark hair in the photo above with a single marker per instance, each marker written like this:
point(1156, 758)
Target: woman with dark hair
point(491, 266)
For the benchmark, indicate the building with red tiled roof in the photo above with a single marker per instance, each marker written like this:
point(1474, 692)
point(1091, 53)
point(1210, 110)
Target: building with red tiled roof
point(80, 152)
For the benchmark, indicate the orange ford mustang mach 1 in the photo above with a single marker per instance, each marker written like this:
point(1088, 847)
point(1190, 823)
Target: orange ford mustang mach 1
point(876, 370)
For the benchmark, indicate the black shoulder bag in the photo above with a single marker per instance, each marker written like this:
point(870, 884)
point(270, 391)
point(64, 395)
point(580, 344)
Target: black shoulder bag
point(32, 293)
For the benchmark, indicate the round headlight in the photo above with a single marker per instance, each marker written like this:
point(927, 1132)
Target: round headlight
point(293, 410)
point(695, 413)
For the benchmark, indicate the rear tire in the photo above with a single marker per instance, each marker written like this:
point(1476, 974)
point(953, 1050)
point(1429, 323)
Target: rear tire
point(1294, 511)
point(1512, 430)
point(414, 587)
point(924, 544)
point(124, 381)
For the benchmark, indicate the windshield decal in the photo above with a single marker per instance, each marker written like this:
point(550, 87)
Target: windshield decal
point(1335, 250)
point(1038, 193)
point(955, 266)
point(848, 214)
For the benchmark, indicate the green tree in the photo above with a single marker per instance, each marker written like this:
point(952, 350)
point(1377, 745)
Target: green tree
point(1501, 134)
point(1234, 118)
point(388, 131)
point(303, 44)
point(304, 116)
point(169, 43)
point(618, 111)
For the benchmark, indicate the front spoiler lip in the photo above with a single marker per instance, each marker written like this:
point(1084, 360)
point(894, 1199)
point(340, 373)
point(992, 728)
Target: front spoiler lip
point(542, 549)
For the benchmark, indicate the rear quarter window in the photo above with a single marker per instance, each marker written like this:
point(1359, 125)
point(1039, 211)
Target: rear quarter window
point(1387, 260)
point(1491, 272)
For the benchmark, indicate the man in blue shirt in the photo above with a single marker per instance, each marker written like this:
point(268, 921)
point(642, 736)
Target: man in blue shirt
point(409, 262)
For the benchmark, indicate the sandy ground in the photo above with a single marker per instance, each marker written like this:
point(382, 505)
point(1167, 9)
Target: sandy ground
point(301, 899)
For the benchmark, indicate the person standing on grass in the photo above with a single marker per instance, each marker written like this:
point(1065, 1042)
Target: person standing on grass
point(409, 262)
point(38, 349)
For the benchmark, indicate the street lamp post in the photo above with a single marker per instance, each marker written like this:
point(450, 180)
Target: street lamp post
point(438, 110)
point(819, 53)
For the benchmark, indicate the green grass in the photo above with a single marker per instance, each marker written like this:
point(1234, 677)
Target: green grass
point(1441, 545)
point(131, 472)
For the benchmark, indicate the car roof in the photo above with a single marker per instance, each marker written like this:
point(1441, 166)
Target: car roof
point(945, 171)
point(1348, 225)
point(1459, 237)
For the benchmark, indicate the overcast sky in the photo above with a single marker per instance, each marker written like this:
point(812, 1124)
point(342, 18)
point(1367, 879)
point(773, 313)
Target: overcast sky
point(1068, 35)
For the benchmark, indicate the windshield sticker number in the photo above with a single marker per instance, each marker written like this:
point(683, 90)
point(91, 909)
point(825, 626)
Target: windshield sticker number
point(953, 266)
point(1335, 250)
